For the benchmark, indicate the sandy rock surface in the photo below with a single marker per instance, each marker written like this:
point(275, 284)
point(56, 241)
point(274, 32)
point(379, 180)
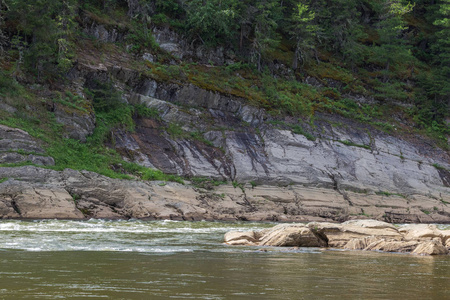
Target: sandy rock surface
point(366, 235)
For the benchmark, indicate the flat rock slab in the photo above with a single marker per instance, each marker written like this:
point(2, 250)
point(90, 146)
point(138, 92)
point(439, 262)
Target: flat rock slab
point(98, 196)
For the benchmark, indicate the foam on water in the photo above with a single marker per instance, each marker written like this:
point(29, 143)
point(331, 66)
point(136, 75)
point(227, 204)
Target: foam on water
point(123, 236)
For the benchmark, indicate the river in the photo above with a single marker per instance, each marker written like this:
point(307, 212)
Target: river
point(98, 259)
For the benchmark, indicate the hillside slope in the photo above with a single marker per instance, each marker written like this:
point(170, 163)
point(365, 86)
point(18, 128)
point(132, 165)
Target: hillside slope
point(181, 130)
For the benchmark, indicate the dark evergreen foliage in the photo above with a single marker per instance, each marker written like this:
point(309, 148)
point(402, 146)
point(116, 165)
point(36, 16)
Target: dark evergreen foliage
point(395, 42)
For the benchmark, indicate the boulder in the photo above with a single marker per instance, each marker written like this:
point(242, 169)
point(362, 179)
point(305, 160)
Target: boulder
point(367, 235)
point(433, 247)
point(284, 235)
point(240, 238)
point(420, 232)
point(292, 236)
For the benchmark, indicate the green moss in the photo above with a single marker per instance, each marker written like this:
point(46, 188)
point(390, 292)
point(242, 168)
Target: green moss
point(328, 70)
point(75, 102)
point(438, 166)
point(175, 130)
point(206, 182)
point(92, 156)
point(238, 185)
point(145, 112)
point(388, 194)
point(150, 174)
point(299, 130)
point(197, 135)
point(350, 143)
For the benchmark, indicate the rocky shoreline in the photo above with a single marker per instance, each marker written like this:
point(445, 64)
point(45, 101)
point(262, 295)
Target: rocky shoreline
point(365, 235)
point(31, 192)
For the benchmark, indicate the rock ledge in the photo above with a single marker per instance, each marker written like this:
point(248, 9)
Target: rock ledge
point(367, 235)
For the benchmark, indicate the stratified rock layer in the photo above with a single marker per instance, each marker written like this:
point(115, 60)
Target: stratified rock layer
point(97, 196)
point(367, 235)
point(17, 146)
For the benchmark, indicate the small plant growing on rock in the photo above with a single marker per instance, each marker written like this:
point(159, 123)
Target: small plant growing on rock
point(76, 197)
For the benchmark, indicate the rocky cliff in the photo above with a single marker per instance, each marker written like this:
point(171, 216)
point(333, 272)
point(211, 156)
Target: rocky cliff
point(251, 164)
point(343, 170)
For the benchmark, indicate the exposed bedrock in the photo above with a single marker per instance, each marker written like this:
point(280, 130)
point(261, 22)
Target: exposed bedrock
point(243, 145)
point(17, 146)
point(33, 192)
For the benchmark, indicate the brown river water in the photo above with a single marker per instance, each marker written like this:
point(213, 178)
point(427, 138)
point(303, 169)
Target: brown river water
point(184, 260)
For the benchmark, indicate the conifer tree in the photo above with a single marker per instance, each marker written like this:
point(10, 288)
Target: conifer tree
point(3, 38)
point(442, 46)
point(304, 31)
point(211, 21)
point(391, 47)
point(44, 27)
point(265, 35)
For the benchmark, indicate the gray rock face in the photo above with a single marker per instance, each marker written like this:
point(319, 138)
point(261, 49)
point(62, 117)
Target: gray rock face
point(18, 146)
point(345, 158)
point(101, 32)
point(77, 124)
point(32, 192)
point(354, 160)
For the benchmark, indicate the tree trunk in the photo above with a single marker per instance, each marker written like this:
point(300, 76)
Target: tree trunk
point(295, 60)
